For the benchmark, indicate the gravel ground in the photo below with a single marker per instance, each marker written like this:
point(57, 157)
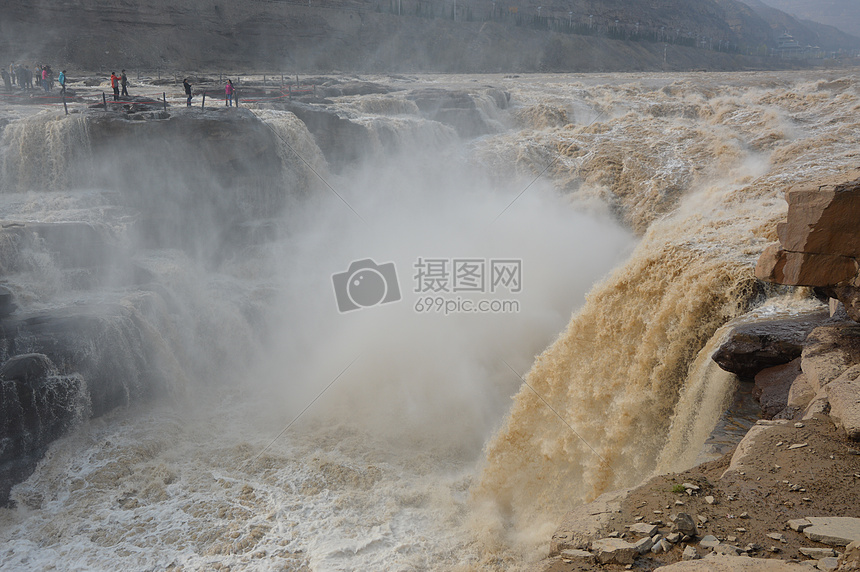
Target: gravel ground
point(766, 488)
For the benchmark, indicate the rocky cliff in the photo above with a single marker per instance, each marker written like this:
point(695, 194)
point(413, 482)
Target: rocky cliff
point(379, 35)
point(819, 246)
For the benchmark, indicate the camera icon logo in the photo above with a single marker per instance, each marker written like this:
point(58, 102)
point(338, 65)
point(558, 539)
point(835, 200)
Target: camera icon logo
point(365, 284)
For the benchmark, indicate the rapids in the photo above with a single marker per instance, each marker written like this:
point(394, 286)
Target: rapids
point(292, 436)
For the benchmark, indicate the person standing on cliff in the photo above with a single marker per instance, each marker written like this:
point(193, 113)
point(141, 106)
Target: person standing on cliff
point(7, 79)
point(228, 91)
point(114, 83)
point(187, 87)
point(61, 79)
point(124, 82)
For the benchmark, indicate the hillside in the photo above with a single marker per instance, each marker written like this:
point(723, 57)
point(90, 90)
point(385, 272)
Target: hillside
point(842, 14)
point(808, 32)
point(391, 35)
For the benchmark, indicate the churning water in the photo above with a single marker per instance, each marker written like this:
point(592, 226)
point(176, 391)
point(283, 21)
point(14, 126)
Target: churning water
point(655, 196)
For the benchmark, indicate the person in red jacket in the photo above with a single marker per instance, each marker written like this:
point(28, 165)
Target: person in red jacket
point(114, 83)
point(228, 91)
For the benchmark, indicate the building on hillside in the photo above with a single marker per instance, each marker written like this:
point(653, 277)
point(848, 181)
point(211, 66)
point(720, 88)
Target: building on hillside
point(788, 47)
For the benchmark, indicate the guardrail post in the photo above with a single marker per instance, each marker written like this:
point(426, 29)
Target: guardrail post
point(164, 98)
point(104, 100)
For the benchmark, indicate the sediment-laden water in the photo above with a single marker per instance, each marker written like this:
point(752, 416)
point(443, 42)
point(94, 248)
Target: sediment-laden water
point(289, 435)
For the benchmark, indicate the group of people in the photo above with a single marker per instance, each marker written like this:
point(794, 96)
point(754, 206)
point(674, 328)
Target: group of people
point(117, 81)
point(22, 76)
point(229, 93)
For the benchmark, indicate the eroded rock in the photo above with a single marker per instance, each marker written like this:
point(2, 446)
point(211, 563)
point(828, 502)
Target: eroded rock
point(754, 346)
point(843, 394)
point(829, 351)
point(773, 385)
point(614, 550)
point(833, 530)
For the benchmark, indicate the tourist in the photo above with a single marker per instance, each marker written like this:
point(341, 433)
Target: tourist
point(124, 81)
point(114, 83)
point(228, 91)
point(7, 81)
point(50, 74)
point(62, 81)
point(45, 78)
point(187, 87)
point(12, 73)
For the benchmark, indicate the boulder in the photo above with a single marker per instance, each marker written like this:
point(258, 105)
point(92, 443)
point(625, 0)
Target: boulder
point(643, 545)
point(816, 553)
point(614, 551)
point(644, 529)
point(726, 549)
point(849, 561)
point(744, 451)
point(800, 394)
point(799, 524)
point(818, 243)
point(823, 220)
point(849, 295)
point(578, 555)
point(833, 530)
point(684, 524)
point(829, 351)
point(804, 268)
point(773, 385)
point(753, 345)
point(843, 394)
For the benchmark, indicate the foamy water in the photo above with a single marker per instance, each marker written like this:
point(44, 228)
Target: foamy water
point(414, 458)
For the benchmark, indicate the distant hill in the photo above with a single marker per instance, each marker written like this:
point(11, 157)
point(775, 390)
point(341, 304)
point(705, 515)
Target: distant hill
point(401, 35)
point(842, 14)
point(817, 32)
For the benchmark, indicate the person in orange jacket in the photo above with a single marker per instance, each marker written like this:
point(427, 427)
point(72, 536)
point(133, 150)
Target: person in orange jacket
point(114, 83)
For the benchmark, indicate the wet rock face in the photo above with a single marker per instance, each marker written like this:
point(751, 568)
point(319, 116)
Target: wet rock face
point(459, 109)
point(194, 177)
point(36, 407)
point(341, 141)
point(819, 244)
point(90, 360)
point(752, 347)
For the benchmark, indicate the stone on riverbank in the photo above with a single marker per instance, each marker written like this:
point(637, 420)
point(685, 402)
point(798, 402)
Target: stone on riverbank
point(833, 530)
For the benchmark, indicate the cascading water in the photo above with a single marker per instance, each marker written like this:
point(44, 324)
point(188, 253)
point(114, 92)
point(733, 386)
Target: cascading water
point(226, 274)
